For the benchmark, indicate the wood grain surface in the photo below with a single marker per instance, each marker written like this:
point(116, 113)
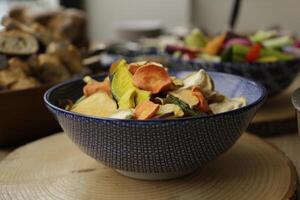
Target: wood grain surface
point(290, 145)
point(54, 168)
point(277, 115)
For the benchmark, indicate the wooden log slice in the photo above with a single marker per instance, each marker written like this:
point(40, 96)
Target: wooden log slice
point(54, 168)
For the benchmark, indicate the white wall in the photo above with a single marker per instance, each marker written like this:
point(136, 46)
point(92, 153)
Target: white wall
point(104, 14)
point(213, 15)
point(254, 14)
point(263, 13)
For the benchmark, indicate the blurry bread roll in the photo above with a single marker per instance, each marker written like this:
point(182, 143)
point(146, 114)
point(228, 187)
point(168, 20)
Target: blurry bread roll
point(17, 42)
point(68, 54)
point(17, 75)
point(49, 69)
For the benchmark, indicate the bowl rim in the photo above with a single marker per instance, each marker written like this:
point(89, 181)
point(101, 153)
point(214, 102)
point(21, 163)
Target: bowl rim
point(258, 101)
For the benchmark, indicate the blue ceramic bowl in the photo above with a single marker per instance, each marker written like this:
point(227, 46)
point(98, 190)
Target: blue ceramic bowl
point(158, 149)
point(275, 76)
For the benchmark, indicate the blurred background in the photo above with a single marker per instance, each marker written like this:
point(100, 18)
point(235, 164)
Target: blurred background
point(105, 17)
point(211, 16)
point(47, 42)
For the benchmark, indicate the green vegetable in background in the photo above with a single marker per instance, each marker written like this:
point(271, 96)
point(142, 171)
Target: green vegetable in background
point(226, 55)
point(238, 58)
point(177, 54)
point(268, 59)
point(275, 53)
point(209, 57)
point(196, 39)
point(278, 42)
point(261, 35)
point(239, 52)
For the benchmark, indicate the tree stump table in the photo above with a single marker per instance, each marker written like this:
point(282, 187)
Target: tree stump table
point(54, 168)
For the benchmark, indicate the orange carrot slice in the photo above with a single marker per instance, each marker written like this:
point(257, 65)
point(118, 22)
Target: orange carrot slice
point(203, 105)
point(96, 86)
point(214, 46)
point(132, 67)
point(146, 110)
point(152, 78)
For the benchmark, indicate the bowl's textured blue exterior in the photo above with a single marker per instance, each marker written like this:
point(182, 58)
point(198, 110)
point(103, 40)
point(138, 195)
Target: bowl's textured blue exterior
point(158, 146)
point(275, 76)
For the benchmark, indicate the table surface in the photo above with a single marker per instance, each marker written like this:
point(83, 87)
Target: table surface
point(290, 145)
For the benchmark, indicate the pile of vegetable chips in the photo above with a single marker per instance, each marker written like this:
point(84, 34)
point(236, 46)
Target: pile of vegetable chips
point(145, 90)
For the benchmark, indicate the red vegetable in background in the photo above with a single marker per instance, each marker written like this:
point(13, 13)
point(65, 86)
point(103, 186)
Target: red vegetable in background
point(297, 44)
point(253, 53)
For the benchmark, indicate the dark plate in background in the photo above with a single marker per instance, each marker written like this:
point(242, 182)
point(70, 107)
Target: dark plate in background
point(275, 76)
